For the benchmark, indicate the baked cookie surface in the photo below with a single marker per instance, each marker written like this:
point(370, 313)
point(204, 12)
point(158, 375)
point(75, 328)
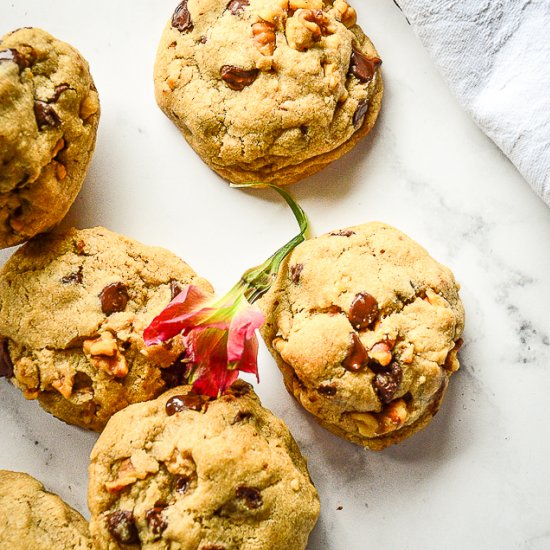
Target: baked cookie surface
point(31, 517)
point(49, 112)
point(73, 308)
point(185, 472)
point(268, 90)
point(365, 327)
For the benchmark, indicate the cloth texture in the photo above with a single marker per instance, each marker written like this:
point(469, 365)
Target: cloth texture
point(495, 56)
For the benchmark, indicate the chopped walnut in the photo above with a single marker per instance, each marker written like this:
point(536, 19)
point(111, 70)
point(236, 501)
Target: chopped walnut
point(60, 170)
point(274, 12)
point(381, 353)
point(264, 37)
point(104, 354)
point(344, 13)
point(306, 27)
point(394, 415)
point(89, 106)
point(64, 386)
point(58, 147)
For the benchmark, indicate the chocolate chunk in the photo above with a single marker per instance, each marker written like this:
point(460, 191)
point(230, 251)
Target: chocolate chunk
point(342, 233)
point(114, 298)
point(360, 112)
point(252, 497)
point(327, 390)
point(75, 277)
point(237, 6)
point(13, 55)
point(6, 365)
point(363, 311)
point(58, 91)
point(156, 523)
point(182, 484)
point(387, 383)
point(362, 66)
point(175, 288)
point(179, 403)
point(121, 524)
point(181, 19)
point(237, 78)
point(45, 115)
point(357, 356)
point(295, 272)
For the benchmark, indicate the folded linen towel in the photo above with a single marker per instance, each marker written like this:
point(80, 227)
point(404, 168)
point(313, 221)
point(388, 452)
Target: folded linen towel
point(495, 56)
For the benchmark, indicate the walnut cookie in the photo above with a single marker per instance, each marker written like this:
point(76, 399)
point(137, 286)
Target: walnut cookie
point(187, 472)
point(365, 327)
point(73, 308)
point(49, 112)
point(268, 90)
point(32, 517)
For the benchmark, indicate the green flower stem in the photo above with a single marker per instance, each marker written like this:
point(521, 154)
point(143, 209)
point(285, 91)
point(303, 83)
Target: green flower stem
point(255, 282)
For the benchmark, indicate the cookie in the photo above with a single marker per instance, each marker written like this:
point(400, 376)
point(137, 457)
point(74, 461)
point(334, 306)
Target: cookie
point(73, 308)
point(268, 90)
point(49, 112)
point(31, 517)
point(187, 472)
point(365, 327)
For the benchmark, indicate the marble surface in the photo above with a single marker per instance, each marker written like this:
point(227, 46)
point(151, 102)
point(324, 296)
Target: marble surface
point(479, 475)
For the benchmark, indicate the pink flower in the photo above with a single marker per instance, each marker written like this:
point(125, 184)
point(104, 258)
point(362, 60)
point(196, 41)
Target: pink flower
point(220, 338)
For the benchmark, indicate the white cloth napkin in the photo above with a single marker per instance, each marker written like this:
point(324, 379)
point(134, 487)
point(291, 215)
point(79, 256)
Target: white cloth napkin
point(495, 56)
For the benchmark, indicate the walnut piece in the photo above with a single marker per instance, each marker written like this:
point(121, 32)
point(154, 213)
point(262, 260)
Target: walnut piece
point(381, 353)
point(345, 13)
point(264, 37)
point(104, 354)
point(306, 27)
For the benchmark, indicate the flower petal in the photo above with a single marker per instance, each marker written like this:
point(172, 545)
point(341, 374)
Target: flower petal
point(184, 311)
point(241, 330)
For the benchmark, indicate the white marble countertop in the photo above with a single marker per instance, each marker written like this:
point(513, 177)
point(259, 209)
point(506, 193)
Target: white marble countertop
point(479, 475)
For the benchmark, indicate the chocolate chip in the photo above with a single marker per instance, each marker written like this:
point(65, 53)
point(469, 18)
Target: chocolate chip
point(362, 66)
point(237, 6)
point(237, 78)
point(13, 55)
point(295, 272)
point(58, 91)
point(75, 277)
point(327, 390)
point(114, 298)
point(182, 484)
point(175, 288)
point(156, 523)
point(181, 19)
point(179, 403)
point(45, 115)
point(6, 365)
point(252, 497)
point(360, 112)
point(357, 356)
point(241, 416)
point(363, 311)
point(342, 233)
point(121, 525)
point(387, 383)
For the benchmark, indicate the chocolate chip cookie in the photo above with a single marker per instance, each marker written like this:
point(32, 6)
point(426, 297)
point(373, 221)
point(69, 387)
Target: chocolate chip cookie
point(268, 90)
point(31, 517)
point(365, 327)
point(184, 471)
point(49, 112)
point(73, 308)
